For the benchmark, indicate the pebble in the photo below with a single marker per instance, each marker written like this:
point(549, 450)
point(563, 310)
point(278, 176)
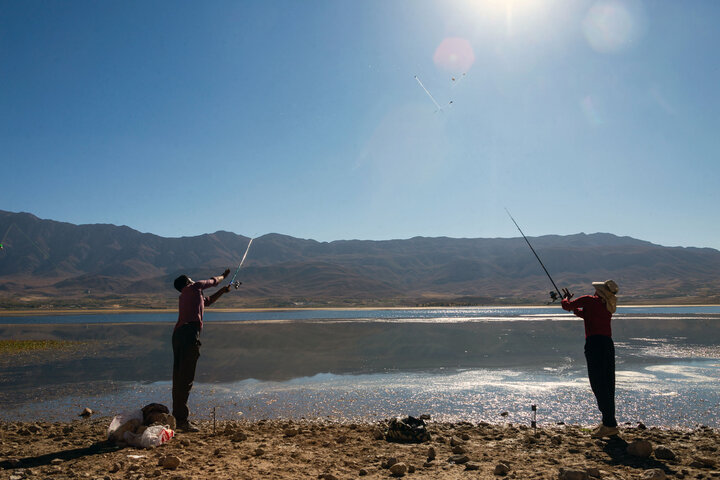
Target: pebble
point(258, 452)
point(459, 459)
point(56, 461)
point(389, 462)
point(399, 469)
point(328, 476)
point(572, 474)
point(664, 453)
point(472, 466)
point(239, 437)
point(431, 453)
point(705, 461)
point(170, 462)
point(640, 448)
point(459, 449)
point(290, 432)
point(653, 474)
point(362, 472)
point(593, 472)
point(454, 441)
point(501, 469)
point(86, 413)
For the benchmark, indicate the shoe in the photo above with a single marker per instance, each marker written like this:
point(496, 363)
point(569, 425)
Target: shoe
point(605, 431)
point(187, 427)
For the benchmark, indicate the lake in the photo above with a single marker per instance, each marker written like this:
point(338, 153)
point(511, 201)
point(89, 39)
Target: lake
point(453, 363)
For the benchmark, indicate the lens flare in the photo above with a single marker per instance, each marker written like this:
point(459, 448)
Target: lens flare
point(610, 27)
point(454, 55)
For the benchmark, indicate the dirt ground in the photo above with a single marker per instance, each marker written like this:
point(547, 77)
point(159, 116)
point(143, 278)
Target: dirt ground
point(330, 450)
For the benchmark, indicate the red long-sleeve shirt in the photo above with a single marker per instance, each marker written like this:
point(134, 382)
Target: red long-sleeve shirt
point(192, 302)
point(592, 309)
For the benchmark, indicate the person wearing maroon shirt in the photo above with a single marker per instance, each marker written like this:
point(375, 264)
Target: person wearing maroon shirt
point(186, 340)
point(596, 311)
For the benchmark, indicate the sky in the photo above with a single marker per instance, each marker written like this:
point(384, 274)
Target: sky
point(311, 119)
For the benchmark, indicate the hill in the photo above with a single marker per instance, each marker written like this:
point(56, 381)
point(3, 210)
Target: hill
point(46, 263)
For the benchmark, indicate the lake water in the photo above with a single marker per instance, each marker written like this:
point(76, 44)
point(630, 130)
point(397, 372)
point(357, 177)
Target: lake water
point(453, 363)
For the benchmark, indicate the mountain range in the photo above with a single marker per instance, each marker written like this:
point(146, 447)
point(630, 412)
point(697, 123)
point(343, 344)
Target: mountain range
point(45, 263)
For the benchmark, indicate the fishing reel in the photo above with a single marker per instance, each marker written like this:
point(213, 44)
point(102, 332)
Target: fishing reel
point(235, 284)
point(554, 297)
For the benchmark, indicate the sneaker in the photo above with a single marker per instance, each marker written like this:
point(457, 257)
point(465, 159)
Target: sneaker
point(604, 431)
point(187, 427)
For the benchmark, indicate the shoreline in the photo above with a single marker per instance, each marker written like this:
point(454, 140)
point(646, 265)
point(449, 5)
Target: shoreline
point(333, 450)
point(115, 311)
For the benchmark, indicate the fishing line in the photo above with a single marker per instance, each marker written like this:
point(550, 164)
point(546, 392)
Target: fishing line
point(232, 282)
point(428, 93)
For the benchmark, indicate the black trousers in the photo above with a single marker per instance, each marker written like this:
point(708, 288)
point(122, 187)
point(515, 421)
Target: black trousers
point(186, 351)
point(600, 356)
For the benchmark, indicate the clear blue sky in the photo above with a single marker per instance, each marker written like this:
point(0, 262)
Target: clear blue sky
point(304, 117)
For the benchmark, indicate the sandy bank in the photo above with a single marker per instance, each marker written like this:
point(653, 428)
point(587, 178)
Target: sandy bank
point(318, 449)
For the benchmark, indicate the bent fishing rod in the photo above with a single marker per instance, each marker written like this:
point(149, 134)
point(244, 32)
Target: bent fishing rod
point(233, 283)
point(557, 290)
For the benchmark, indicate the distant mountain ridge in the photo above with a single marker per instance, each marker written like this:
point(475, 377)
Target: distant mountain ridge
point(46, 262)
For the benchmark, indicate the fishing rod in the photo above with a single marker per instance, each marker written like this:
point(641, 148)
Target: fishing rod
point(233, 283)
point(557, 290)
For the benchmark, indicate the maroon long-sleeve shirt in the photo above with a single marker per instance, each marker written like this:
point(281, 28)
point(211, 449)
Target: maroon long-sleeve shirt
point(193, 302)
point(592, 309)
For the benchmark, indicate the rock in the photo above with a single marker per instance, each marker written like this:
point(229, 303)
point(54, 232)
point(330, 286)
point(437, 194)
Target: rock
point(171, 462)
point(56, 461)
point(705, 461)
point(116, 467)
point(388, 462)
point(641, 426)
point(328, 476)
point(454, 441)
point(556, 439)
point(378, 434)
point(341, 439)
point(501, 469)
point(593, 472)
point(86, 413)
point(465, 437)
point(664, 453)
point(653, 474)
point(425, 416)
point(504, 414)
point(431, 453)
point(239, 437)
point(640, 448)
point(411, 469)
point(399, 469)
point(259, 452)
point(290, 432)
point(572, 474)
point(362, 472)
point(459, 459)
point(459, 449)
point(472, 466)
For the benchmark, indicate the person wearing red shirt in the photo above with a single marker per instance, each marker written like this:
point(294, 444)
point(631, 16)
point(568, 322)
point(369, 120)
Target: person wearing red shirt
point(596, 311)
point(186, 340)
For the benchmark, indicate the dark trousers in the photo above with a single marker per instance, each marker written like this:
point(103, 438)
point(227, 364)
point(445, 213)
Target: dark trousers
point(600, 356)
point(186, 351)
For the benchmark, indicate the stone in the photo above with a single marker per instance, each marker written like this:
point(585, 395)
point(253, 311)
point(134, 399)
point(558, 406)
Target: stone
point(328, 476)
point(653, 474)
point(411, 468)
point(501, 469)
point(399, 469)
point(640, 448)
point(431, 454)
point(378, 434)
point(459, 459)
point(472, 466)
point(664, 453)
point(593, 472)
point(290, 432)
point(572, 474)
point(454, 441)
point(425, 416)
point(259, 452)
point(459, 449)
point(171, 462)
point(56, 461)
point(465, 437)
point(388, 462)
point(86, 413)
point(705, 461)
point(504, 414)
point(362, 472)
point(239, 437)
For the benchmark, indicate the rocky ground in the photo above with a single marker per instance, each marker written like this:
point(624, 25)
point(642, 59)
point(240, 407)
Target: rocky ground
point(329, 450)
